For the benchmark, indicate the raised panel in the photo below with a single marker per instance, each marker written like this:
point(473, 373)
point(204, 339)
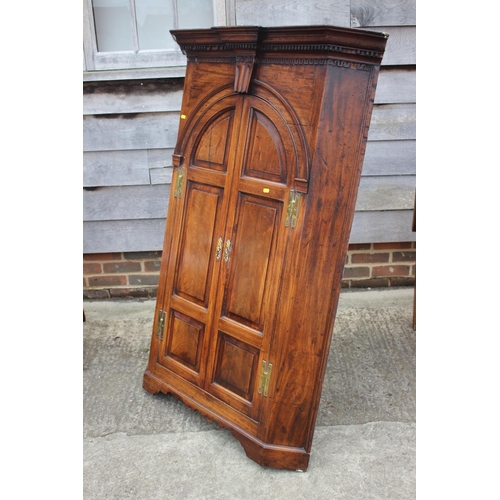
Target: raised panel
point(196, 252)
point(236, 366)
point(265, 155)
point(185, 340)
point(251, 255)
point(212, 148)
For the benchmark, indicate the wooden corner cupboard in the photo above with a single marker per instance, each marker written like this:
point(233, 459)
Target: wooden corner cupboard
point(272, 134)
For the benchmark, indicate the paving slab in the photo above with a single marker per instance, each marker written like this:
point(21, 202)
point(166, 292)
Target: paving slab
point(141, 446)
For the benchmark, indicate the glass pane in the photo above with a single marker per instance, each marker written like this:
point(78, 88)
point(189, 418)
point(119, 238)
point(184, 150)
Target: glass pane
point(154, 20)
point(113, 25)
point(195, 13)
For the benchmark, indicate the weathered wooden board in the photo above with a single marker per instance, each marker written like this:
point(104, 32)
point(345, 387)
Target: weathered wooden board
point(147, 235)
point(143, 202)
point(123, 236)
point(158, 158)
point(390, 158)
point(393, 122)
point(159, 130)
point(126, 202)
point(115, 168)
point(161, 175)
point(144, 59)
point(401, 45)
point(396, 85)
point(132, 97)
point(383, 13)
point(382, 227)
point(386, 193)
point(130, 131)
point(292, 12)
point(127, 168)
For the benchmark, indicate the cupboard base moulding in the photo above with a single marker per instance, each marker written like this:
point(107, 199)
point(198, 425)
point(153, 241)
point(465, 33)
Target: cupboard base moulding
point(276, 457)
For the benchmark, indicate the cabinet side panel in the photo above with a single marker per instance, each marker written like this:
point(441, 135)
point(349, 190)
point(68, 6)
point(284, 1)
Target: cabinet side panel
point(306, 318)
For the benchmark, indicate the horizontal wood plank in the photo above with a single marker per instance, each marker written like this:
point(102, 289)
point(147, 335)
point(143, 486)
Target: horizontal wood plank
point(401, 45)
point(159, 158)
point(396, 85)
point(115, 168)
point(159, 130)
point(393, 122)
point(151, 202)
point(382, 13)
point(292, 13)
point(135, 74)
point(386, 193)
point(382, 227)
point(126, 202)
point(147, 235)
point(390, 158)
point(130, 131)
point(123, 236)
point(161, 175)
point(132, 97)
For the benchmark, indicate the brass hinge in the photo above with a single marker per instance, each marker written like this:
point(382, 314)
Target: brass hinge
point(292, 209)
point(160, 325)
point(265, 377)
point(179, 183)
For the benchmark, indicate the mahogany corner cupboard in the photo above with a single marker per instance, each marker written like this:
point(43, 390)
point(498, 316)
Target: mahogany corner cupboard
point(272, 134)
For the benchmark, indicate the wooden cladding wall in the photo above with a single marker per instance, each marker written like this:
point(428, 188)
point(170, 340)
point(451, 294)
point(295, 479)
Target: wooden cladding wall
point(130, 129)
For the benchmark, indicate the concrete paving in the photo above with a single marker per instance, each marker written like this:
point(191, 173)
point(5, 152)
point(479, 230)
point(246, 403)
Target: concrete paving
point(143, 447)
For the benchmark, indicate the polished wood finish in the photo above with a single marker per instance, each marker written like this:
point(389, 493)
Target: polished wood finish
point(273, 130)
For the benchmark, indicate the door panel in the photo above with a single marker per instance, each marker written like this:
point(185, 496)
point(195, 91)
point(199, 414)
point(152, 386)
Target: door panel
point(194, 268)
point(253, 242)
point(236, 366)
point(186, 340)
point(265, 158)
point(212, 148)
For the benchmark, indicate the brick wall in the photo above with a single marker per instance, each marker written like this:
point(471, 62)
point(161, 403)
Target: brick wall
point(135, 274)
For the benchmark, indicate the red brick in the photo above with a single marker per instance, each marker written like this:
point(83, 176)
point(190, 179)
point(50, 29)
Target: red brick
point(96, 294)
point(356, 272)
point(105, 281)
point(141, 255)
point(369, 258)
point(102, 256)
point(370, 283)
point(392, 246)
point(128, 292)
point(143, 279)
point(152, 266)
point(403, 281)
point(122, 267)
point(389, 271)
point(360, 246)
point(93, 268)
point(403, 256)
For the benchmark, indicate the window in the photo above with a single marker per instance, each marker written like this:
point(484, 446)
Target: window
point(134, 34)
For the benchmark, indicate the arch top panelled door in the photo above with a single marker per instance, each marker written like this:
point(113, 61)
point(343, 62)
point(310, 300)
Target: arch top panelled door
point(271, 138)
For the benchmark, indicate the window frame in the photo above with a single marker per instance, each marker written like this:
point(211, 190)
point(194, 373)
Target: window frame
point(143, 63)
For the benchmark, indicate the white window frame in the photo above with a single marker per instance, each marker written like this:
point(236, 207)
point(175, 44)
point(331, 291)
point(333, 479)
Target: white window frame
point(140, 63)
